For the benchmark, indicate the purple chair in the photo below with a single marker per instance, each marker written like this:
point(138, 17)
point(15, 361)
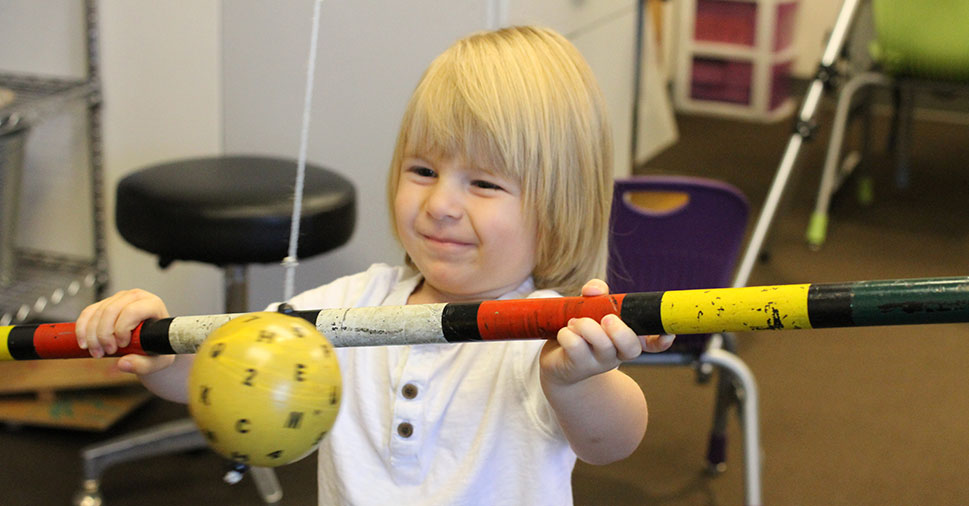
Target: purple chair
point(678, 233)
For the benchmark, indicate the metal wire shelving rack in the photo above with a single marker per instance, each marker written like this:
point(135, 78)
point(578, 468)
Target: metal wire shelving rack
point(34, 280)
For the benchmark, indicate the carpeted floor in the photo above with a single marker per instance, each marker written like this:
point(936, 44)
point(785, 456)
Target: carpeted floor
point(867, 416)
point(854, 417)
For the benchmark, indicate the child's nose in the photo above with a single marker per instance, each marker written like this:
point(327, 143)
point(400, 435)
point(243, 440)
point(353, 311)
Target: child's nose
point(444, 202)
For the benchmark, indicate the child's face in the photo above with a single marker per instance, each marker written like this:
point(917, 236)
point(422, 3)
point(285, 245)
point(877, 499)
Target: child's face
point(464, 228)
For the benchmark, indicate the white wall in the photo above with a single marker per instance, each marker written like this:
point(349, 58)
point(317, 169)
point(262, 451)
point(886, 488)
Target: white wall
point(371, 55)
point(162, 95)
point(815, 19)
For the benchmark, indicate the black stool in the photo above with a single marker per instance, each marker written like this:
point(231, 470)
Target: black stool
point(232, 211)
point(228, 211)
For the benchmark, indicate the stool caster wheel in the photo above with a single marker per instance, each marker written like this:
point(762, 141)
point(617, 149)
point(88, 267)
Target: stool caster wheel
point(89, 495)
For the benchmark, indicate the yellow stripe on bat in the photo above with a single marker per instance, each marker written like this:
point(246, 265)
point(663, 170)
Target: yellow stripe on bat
point(735, 309)
point(4, 349)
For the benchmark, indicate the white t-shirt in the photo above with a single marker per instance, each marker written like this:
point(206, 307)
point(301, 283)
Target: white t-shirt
point(438, 424)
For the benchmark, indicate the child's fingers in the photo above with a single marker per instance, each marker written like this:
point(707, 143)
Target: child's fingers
point(87, 326)
point(104, 326)
point(107, 330)
point(90, 341)
point(627, 344)
point(657, 343)
point(579, 353)
point(599, 342)
point(81, 325)
point(572, 344)
point(595, 287)
point(144, 306)
point(141, 365)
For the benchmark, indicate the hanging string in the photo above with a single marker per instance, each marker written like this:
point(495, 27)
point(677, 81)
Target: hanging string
point(290, 262)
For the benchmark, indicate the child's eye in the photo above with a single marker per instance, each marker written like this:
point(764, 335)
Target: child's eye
point(487, 185)
point(421, 171)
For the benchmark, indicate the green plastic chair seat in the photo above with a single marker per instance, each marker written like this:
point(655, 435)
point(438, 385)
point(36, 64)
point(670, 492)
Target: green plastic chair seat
point(922, 38)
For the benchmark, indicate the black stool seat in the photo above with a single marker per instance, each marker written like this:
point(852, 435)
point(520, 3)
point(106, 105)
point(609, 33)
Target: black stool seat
point(228, 210)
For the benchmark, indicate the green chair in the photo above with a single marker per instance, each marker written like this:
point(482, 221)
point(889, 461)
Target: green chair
point(922, 39)
point(917, 46)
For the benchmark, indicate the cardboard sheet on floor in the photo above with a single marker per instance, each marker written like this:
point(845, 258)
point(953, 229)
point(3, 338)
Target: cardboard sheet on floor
point(93, 410)
point(84, 394)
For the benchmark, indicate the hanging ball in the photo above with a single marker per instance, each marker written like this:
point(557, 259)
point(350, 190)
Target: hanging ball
point(264, 389)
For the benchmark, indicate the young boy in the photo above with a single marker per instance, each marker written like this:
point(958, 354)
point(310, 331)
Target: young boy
point(499, 187)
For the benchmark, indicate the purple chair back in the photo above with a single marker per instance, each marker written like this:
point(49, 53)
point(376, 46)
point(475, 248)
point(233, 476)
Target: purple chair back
point(674, 233)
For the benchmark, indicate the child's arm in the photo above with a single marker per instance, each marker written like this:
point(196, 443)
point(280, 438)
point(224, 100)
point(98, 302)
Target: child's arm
point(105, 326)
point(602, 410)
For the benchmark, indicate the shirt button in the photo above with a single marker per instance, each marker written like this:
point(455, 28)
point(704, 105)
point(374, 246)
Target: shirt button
point(409, 391)
point(405, 429)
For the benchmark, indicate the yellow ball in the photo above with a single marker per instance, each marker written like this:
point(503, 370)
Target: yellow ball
point(264, 389)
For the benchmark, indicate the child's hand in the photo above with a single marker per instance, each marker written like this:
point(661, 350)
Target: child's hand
point(585, 347)
point(105, 326)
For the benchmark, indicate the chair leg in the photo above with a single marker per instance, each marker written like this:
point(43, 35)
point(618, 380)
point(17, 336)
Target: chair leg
point(717, 446)
point(171, 437)
point(903, 141)
point(749, 419)
point(830, 180)
point(727, 397)
point(865, 189)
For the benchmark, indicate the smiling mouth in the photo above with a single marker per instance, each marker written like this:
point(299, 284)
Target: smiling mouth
point(443, 241)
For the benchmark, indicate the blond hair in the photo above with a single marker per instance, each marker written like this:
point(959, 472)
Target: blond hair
point(523, 103)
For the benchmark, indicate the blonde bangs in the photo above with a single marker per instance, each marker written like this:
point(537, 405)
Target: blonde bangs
point(442, 121)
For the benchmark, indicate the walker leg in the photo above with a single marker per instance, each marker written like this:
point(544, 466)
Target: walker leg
point(804, 130)
point(905, 112)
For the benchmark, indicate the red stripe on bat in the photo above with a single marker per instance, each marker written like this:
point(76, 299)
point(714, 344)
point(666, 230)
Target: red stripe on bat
point(540, 318)
point(57, 340)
